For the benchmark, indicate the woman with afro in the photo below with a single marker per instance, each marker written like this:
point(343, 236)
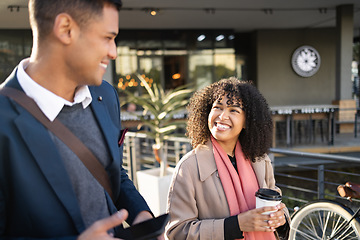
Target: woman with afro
point(212, 194)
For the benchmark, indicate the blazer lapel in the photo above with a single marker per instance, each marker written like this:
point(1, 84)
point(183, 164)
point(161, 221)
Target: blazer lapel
point(105, 123)
point(107, 127)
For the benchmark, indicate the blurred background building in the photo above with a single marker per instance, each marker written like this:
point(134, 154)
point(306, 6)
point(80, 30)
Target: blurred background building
point(296, 52)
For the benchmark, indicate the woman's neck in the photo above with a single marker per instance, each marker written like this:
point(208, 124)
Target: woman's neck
point(228, 148)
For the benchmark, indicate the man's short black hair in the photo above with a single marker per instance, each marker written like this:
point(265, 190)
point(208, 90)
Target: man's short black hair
point(42, 13)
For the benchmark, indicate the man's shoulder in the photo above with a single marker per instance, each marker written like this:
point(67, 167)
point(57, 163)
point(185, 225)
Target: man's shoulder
point(104, 93)
point(6, 106)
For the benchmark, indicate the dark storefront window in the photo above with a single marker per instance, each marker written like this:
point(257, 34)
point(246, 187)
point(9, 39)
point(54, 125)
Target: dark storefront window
point(14, 46)
point(175, 58)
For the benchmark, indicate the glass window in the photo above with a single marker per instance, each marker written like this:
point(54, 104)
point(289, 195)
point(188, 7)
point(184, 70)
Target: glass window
point(224, 62)
point(15, 45)
point(151, 67)
point(201, 67)
point(175, 58)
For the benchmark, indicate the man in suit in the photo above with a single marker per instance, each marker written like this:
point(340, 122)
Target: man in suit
point(45, 190)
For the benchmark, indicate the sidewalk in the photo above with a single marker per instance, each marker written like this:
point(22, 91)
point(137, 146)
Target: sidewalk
point(343, 143)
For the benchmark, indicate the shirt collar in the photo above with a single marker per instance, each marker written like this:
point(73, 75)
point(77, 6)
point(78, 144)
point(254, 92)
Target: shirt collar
point(49, 103)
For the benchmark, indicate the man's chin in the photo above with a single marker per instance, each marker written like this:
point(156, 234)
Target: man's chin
point(97, 82)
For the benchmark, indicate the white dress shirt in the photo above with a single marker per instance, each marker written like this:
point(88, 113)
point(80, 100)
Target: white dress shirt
point(49, 103)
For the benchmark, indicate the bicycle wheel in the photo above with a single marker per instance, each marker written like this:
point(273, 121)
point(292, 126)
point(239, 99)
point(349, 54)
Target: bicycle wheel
point(324, 220)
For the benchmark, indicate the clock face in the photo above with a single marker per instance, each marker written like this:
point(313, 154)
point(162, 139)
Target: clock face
point(305, 61)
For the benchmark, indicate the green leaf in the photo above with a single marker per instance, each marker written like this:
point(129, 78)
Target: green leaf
point(159, 108)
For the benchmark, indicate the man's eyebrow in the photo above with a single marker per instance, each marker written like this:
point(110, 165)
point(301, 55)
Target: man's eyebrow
point(113, 33)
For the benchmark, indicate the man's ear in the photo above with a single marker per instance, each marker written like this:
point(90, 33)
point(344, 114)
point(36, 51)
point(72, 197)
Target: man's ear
point(65, 28)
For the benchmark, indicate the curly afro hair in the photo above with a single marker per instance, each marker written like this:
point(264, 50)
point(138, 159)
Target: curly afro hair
point(256, 138)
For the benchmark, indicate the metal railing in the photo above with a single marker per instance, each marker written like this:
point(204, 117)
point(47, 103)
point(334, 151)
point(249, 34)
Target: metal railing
point(302, 176)
point(138, 153)
point(305, 177)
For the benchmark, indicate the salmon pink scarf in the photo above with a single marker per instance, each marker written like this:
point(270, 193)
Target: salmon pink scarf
point(239, 187)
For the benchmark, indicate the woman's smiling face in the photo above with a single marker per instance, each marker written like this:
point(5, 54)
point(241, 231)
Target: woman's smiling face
point(226, 121)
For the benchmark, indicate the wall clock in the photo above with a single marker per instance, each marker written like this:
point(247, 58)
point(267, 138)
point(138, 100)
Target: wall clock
point(305, 61)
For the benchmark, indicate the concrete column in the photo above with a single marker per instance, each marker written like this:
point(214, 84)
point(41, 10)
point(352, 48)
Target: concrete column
point(345, 33)
point(344, 46)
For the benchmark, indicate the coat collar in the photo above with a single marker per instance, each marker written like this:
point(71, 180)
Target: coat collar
point(207, 165)
point(205, 159)
point(12, 81)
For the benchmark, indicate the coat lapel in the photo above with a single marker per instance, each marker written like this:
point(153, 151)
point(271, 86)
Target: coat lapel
point(259, 170)
point(205, 160)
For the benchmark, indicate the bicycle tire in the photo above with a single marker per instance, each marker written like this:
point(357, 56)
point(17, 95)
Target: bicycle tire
point(322, 220)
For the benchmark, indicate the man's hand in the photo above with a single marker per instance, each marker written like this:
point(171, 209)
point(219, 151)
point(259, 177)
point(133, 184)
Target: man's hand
point(98, 231)
point(143, 216)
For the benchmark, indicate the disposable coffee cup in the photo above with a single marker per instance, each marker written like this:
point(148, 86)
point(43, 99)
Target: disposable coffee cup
point(267, 197)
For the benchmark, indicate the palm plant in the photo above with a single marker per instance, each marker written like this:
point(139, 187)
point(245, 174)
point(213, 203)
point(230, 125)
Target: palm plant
point(159, 108)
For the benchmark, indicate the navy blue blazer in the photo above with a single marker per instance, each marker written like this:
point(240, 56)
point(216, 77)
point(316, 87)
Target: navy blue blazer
point(36, 196)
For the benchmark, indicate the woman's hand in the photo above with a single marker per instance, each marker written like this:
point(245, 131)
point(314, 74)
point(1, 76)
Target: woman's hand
point(254, 221)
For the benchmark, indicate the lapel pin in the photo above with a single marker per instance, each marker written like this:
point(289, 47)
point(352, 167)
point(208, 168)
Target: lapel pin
point(100, 98)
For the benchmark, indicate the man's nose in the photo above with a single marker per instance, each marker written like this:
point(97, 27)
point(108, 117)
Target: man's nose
point(112, 51)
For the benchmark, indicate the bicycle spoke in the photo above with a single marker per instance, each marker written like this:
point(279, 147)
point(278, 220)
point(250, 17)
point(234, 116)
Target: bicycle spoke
point(307, 236)
point(347, 234)
point(325, 224)
point(339, 224)
point(308, 229)
point(338, 229)
point(324, 221)
point(320, 222)
point(312, 228)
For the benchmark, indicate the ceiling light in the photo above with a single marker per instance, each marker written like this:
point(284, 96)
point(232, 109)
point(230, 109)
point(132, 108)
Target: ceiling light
point(220, 37)
point(201, 37)
point(176, 76)
point(151, 11)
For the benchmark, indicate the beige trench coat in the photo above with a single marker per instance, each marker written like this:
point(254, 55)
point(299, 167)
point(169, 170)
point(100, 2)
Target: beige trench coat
point(197, 203)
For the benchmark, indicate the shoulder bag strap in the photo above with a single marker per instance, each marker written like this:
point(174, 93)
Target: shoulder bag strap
point(65, 135)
